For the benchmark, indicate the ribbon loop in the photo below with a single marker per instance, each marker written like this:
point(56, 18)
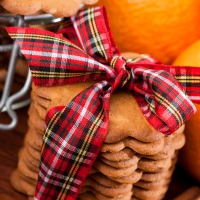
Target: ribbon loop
point(161, 99)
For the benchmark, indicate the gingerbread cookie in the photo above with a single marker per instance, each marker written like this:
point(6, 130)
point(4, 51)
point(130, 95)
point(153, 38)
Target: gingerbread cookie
point(60, 8)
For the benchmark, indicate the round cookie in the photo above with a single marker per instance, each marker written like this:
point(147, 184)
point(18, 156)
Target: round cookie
point(27, 184)
point(20, 184)
point(101, 196)
point(34, 139)
point(112, 147)
point(21, 6)
point(152, 185)
point(155, 194)
point(166, 152)
point(126, 196)
point(26, 171)
point(124, 154)
point(150, 148)
point(35, 118)
point(40, 100)
point(112, 171)
point(27, 179)
point(148, 165)
point(120, 164)
point(33, 152)
point(31, 163)
point(14, 181)
point(87, 196)
point(29, 188)
point(145, 148)
point(26, 154)
point(42, 111)
point(154, 177)
point(132, 178)
point(122, 189)
point(31, 126)
point(104, 180)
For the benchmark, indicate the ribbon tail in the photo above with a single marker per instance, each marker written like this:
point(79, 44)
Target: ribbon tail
point(54, 60)
point(47, 54)
point(72, 141)
point(188, 77)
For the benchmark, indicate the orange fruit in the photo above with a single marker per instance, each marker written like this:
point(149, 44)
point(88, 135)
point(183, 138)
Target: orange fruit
point(161, 29)
point(190, 153)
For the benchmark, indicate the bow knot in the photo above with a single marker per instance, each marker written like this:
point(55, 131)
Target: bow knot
point(118, 63)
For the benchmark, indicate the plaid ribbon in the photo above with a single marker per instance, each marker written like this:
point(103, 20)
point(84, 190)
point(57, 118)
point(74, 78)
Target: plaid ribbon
point(74, 133)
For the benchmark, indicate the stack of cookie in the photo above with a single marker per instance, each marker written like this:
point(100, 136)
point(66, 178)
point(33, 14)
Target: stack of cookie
point(135, 162)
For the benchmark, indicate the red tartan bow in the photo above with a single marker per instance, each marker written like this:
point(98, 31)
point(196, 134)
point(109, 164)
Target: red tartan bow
point(75, 133)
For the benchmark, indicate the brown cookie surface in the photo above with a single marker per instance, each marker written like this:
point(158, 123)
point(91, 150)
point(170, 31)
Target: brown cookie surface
point(59, 8)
